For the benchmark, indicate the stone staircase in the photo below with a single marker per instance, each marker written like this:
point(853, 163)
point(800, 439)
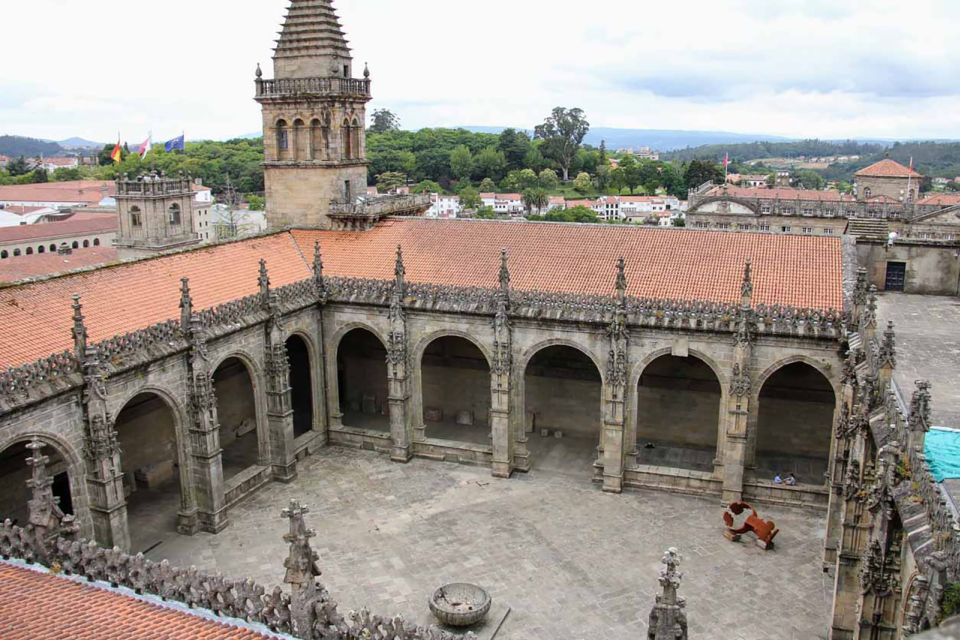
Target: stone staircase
point(872, 228)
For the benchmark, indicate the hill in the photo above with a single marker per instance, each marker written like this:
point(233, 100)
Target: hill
point(80, 143)
point(16, 146)
point(659, 139)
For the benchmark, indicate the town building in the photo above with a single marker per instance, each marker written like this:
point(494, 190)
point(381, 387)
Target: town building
point(62, 162)
point(155, 214)
point(752, 180)
point(444, 206)
point(887, 181)
point(57, 195)
point(504, 203)
point(79, 232)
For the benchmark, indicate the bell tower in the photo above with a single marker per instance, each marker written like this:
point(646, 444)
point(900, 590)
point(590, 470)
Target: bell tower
point(155, 214)
point(314, 113)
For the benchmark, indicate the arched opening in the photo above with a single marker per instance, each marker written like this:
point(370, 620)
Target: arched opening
point(362, 381)
point(455, 379)
point(237, 415)
point(16, 252)
point(75, 245)
point(53, 248)
point(14, 473)
point(86, 244)
point(795, 424)
point(4, 255)
point(346, 140)
point(41, 249)
point(301, 385)
point(150, 461)
point(299, 140)
point(136, 217)
point(283, 140)
point(29, 251)
point(678, 413)
point(355, 130)
point(562, 409)
point(316, 139)
point(173, 215)
point(96, 242)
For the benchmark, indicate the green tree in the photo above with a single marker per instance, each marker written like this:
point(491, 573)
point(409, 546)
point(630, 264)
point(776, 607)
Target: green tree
point(809, 179)
point(514, 145)
point(39, 175)
point(535, 198)
point(562, 134)
point(549, 180)
point(470, 198)
point(427, 186)
point(390, 180)
point(630, 173)
point(485, 213)
point(257, 203)
point(700, 172)
point(490, 163)
point(602, 178)
point(461, 162)
point(18, 167)
point(573, 214)
point(487, 186)
point(520, 180)
point(582, 183)
point(66, 174)
point(384, 120)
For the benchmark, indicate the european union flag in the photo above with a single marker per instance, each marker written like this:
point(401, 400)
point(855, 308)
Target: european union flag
point(174, 145)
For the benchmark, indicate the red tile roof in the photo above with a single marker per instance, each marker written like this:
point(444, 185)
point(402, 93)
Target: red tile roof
point(22, 211)
point(565, 258)
point(941, 200)
point(100, 223)
point(38, 605)
point(87, 191)
point(781, 193)
point(887, 168)
point(46, 264)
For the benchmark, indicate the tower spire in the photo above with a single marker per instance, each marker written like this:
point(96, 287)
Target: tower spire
point(312, 43)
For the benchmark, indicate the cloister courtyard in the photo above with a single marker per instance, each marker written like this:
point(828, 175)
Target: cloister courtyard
point(568, 560)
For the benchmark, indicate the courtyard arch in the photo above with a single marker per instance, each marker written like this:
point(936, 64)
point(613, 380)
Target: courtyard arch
point(154, 471)
point(238, 415)
point(301, 385)
point(455, 386)
point(795, 411)
point(563, 412)
point(362, 381)
point(678, 413)
point(15, 472)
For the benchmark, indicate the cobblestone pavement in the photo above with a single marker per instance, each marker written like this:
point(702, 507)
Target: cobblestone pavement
point(928, 347)
point(572, 562)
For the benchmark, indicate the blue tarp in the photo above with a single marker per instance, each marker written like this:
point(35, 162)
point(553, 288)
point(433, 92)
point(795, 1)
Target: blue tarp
point(943, 453)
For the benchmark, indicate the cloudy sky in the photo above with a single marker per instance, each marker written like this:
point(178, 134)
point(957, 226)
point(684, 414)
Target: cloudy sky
point(800, 68)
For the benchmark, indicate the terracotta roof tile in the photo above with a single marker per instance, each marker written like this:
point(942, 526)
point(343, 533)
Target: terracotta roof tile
point(887, 168)
point(42, 606)
point(941, 200)
point(781, 193)
point(88, 191)
point(565, 258)
point(46, 264)
point(51, 230)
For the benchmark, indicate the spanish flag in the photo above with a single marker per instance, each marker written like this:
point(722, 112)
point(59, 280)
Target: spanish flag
point(117, 154)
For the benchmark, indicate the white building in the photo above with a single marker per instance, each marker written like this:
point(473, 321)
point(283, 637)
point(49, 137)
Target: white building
point(202, 218)
point(503, 203)
point(444, 206)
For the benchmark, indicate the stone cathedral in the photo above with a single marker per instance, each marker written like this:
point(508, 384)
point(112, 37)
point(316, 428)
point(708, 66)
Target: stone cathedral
point(685, 361)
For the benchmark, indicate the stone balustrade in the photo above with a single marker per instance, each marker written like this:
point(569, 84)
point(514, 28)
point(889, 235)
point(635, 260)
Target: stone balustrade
point(289, 87)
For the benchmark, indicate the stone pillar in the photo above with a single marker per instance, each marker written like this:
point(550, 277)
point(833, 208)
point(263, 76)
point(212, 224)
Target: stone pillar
point(615, 389)
point(108, 505)
point(206, 462)
point(398, 389)
point(319, 371)
point(282, 456)
point(500, 379)
point(736, 433)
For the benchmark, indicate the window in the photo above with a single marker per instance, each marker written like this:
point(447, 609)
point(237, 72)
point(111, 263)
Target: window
point(808, 212)
point(283, 137)
point(808, 229)
point(76, 245)
point(96, 242)
point(29, 251)
point(53, 248)
point(867, 192)
point(785, 229)
point(4, 255)
point(86, 243)
point(764, 227)
point(743, 227)
point(765, 209)
point(41, 249)
point(136, 219)
point(173, 215)
point(828, 232)
point(346, 71)
point(16, 252)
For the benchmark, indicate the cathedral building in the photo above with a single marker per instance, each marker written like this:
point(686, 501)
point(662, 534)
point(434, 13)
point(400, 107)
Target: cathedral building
point(678, 360)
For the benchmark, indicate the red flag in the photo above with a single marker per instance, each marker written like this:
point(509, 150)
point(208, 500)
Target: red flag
point(726, 160)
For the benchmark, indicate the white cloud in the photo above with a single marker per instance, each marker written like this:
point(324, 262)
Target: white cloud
point(792, 67)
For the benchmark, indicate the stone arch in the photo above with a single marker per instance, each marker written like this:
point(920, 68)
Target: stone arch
point(242, 423)
point(360, 397)
point(346, 139)
point(86, 244)
point(96, 242)
point(299, 140)
point(13, 491)
point(154, 467)
point(75, 245)
point(303, 384)
point(795, 403)
point(677, 410)
point(282, 139)
point(748, 204)
point(318, 139)
point(16, 253)
point(452, 387)
point(530, 352)
point(41, 249)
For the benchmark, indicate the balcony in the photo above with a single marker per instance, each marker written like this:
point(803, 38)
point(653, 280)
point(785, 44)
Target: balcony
point(301, 87)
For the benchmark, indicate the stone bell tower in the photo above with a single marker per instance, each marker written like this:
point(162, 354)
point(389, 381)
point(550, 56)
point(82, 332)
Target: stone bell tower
point(314, 113)
point(155, 214)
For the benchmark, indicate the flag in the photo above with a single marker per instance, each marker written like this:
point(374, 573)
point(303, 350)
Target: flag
point(117, 154)
point(176, 144)
point(726, 160)
point(145, 146)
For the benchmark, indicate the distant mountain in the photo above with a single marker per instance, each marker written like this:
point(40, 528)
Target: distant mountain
point(80, 143)
point(16, 146)
point(658, 139)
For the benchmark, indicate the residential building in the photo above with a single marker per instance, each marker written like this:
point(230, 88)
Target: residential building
point(64, 162)
point(504, 203)
point(81, 231)
point(889, 180)
point(57, 195)
point(444, 206)
point(231, 222)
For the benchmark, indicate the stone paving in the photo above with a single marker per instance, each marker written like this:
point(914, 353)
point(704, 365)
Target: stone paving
point(928, 347)
point(572, 562)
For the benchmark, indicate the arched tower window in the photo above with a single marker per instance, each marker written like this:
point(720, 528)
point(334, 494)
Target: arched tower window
point(173, 217)
point(41, 249)
point(29, 251)
point(346, 140)
point(136, 217)
point(355, 138)
point(75, 245)
point(316, 139)
point(298, 140)
point(283, 140)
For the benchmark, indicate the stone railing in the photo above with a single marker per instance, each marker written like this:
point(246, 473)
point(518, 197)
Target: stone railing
point(18, 384)
point(380, 206)
point(154, 186)
point(313, 87)
point(154, 341)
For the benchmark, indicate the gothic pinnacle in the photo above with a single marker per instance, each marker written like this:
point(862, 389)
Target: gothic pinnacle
point(621, 279)
point(504, 271)
point(399, 270)
point(264, 280)
point(317, 262)
point(79, 330)
point(186, 304)
point(746, 287)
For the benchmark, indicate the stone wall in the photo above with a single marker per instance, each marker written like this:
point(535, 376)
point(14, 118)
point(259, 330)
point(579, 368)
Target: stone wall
point(932, 269)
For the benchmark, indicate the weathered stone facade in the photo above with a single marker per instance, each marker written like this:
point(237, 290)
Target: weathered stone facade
point(156, 214)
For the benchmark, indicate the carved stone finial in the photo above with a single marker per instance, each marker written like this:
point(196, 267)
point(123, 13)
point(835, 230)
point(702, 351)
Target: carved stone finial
point(301, 563)
point(870, 313)
point(259, 72)
point(46, 517)
point(366, 71)
point(79, 329)
point(264, 280)
point(621, 280)
point(317, 261)
point(861, 288)
point(920, 407)
point(746, 287)
point(399, 272)
point(888, 347)
point(504, 271)
point(186, 304)
point(668, 619)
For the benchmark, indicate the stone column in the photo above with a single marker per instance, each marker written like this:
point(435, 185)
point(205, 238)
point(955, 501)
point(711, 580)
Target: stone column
point(500, 379)
point(615, 389)
point(108, 505)
point(319, 371)
point(398, 390)
point(282, 456)
point(206, 468)
point(736, 433)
